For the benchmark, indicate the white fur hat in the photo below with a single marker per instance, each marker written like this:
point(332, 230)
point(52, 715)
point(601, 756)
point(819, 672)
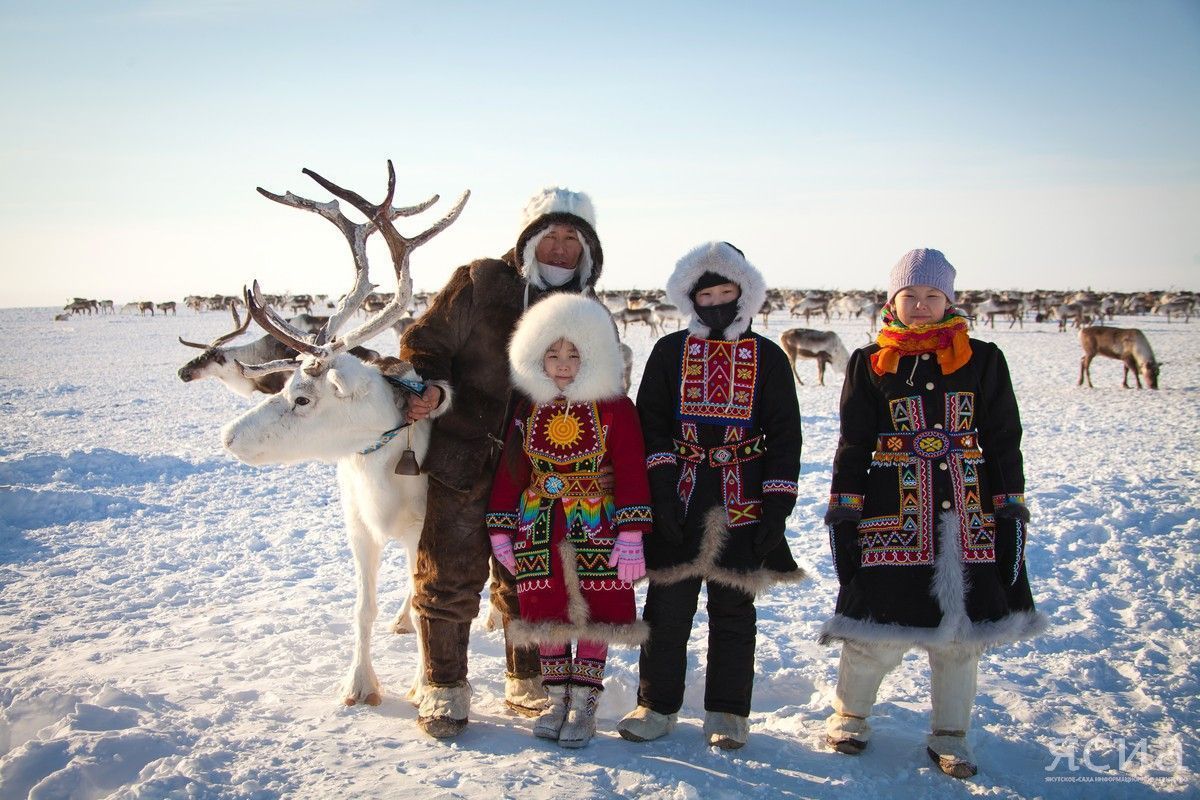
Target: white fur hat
point(585, 323)
point(556, 205)
point(723, 259)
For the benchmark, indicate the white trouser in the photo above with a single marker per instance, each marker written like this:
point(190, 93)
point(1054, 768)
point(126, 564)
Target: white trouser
point(954, 672)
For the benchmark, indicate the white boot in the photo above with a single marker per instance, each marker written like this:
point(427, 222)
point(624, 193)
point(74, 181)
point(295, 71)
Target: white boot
point(580, 724)
point(525, 696)
point(443, 710)
point(727, 731)
point(847, 733)
point(550, 721)
point(950, 751)
point(644, 725)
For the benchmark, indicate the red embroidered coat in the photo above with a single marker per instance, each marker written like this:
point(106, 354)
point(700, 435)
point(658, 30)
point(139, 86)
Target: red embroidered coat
point(548, 499)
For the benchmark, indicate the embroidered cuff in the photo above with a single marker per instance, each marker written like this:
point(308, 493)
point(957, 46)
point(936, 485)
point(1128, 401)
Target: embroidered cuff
point(633, 518)
point(779, 487)
point(501, 521)
point(1010, 506)
point(843, 507)
point(660, 460)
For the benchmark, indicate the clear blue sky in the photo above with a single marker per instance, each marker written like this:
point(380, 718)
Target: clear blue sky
point(1039, 144)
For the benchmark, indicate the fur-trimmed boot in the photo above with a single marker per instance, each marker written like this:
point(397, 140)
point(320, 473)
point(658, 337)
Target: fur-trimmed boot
point(847, 733)
point(550, 721)
point(525, 696)
point(443, 710)
point(580, 723)
point(645, 725)
point(950, 751)
point(726, 731)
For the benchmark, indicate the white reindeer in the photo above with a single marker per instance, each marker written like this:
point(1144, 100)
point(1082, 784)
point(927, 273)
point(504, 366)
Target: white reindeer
point(336, 408)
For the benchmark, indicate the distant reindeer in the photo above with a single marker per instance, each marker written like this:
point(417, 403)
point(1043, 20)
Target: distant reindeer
point(335, 408)
point(1127, 345)
point(824, 346)
point(644, 314)
point(1013, 309)
point(227, 363)
point(165, 307)
point(144, 306)
point(106, 307)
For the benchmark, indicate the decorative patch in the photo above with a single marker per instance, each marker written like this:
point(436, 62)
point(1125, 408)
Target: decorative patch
point(908, 413)
point(499, 520)
point(588, 672)
point(632, 515)
point(999, 500)
point(555, 669)
point(851, 501)
point(960, 411)
point(779, 487)
point(660, 460)
point(718, 381)
point(563, 434)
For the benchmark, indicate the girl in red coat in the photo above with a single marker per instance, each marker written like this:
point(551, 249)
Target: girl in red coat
point(574, 548)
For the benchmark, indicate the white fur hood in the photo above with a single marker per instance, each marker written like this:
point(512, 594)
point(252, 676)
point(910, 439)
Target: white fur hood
point(723, 259)
point(582, 321)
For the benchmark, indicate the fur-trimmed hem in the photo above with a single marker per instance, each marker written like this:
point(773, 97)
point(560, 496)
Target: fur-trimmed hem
point(950, 586)
point(712, 544)
point(522, 633)
point(1014, 627)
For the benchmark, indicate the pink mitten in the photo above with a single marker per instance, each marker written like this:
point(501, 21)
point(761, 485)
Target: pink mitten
point(627, 556)
point(502, 549)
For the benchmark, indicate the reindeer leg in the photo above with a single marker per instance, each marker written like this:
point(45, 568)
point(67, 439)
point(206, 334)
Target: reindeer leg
point(361, 684)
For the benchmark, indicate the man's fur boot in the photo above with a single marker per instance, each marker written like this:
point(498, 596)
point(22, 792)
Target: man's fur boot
point(444, 709)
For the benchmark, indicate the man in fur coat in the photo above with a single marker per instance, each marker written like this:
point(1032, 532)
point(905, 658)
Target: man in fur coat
point(722, 429)
point(459, 346)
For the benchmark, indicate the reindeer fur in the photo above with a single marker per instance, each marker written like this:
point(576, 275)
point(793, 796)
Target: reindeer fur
point(331, 416)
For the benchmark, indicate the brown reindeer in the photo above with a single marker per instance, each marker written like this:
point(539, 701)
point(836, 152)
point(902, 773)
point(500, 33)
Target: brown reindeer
point(1127, 345)
point(824, 346)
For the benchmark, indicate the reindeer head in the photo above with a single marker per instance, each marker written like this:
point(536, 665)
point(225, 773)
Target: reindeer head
point(332, 405)
point(1149, 372)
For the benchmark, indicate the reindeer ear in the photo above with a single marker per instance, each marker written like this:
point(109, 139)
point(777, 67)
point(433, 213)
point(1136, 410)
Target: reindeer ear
point(342, 384)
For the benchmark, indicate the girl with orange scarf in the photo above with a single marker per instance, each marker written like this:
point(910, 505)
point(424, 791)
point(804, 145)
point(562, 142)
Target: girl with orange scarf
point(926, 515)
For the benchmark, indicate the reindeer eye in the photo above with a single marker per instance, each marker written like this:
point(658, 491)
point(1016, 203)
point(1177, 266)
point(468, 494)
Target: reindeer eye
point(302, 401)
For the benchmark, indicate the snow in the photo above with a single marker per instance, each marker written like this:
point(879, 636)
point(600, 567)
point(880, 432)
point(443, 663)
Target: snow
point(176, 624)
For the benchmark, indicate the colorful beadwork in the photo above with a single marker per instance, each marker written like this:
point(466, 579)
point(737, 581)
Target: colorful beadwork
point(718, 381)
point(779, 487)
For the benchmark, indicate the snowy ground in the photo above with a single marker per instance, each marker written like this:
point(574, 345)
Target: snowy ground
point(175, 624)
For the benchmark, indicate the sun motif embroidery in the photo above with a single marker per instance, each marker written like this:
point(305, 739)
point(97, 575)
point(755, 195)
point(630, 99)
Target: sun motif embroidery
point(563, 430)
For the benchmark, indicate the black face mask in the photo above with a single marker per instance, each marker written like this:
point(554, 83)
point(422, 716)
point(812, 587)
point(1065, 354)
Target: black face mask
point(718, 318)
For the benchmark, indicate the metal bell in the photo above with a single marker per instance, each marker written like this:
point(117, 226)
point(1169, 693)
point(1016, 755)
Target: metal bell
point(407, 465)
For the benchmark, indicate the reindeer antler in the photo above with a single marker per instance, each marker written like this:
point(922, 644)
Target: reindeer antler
point(326, 343)
point(239, 328)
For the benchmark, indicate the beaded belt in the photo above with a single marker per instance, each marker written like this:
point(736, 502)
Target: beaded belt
point(725, 455)
point(553, 485)
point(926, 444)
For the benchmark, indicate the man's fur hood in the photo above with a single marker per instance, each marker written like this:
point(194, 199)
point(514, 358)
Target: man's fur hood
point(585, 323)
point(726, 260)
point(556, 205)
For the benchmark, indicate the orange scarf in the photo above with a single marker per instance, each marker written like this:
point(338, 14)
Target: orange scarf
point(948, 339)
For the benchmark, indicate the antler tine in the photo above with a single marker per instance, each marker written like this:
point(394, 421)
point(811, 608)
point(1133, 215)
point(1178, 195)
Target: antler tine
point(238, 329)
point(443, 223)
point(259, 370)
point(400, 249)
point(277, 326)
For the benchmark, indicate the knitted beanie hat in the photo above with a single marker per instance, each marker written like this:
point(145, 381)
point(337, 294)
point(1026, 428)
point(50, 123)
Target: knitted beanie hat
point(922, 267)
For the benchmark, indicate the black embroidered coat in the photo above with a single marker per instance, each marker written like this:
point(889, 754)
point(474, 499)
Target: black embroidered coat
point(930, 474)
point(726, 473)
